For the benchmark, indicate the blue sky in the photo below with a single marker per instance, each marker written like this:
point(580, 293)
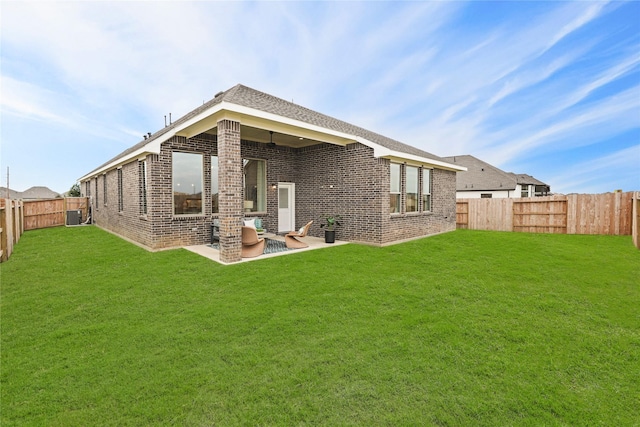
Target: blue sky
point(550, 89)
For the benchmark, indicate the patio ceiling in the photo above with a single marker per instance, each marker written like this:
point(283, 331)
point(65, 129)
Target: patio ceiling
point(250, 133)
point(256, 125)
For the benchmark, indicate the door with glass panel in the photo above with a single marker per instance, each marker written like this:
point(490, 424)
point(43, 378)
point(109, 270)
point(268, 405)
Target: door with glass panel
point(286, 206)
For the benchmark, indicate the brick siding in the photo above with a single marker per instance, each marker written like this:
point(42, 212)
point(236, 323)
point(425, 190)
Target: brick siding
point(329, 179)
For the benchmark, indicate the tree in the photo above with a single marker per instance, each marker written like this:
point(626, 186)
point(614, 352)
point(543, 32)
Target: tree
point(75, 190)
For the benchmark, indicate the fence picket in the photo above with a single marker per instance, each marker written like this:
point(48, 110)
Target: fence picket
point(609, 214)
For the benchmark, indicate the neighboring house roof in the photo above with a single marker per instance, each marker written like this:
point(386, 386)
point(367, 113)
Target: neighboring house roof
point(38, 192)
point(258, 109)
point(12, 193)
point(482, 176)
point(524, 179)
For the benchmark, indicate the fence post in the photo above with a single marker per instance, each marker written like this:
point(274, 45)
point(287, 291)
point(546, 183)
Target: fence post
point(635, 219)
point(3, 232)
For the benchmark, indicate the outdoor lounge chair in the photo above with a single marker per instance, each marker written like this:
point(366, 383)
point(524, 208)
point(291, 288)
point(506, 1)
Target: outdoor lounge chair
point(252, 246)
point(291, 238)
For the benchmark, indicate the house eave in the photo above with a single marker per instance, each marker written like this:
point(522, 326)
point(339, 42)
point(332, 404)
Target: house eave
point(410, 159)
point(152, 147)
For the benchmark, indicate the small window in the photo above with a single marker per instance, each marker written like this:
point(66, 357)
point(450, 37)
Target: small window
point(525, 191)
point(187, 183)
point(142, 169)
point(97, 199)
point(104, 189)
point(395, 188)
point(215, 196)
point(120, 192)
point(426, 190)
point(412, 189)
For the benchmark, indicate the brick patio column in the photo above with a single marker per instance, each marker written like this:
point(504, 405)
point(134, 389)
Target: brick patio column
point(230, 188)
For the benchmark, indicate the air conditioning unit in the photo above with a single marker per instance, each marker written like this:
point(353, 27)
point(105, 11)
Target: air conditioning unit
point(74, 217)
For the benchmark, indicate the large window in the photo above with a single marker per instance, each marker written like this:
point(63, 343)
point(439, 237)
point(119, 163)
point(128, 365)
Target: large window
point(215, 196)
point(412, 188)
point(395, 190)
point(187, 183)
point(426, 190)
point(254, 175)
point(417, 191)
point(255, 185)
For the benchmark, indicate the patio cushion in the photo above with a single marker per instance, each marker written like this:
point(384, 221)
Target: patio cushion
point(250, 223)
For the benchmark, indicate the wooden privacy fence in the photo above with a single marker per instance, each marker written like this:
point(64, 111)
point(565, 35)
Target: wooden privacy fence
point(17, 216)
point(52, 212)
point(609, 214)
point(11, 226)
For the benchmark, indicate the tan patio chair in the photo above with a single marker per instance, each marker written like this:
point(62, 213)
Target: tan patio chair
point(291, 238)
point(252, 246)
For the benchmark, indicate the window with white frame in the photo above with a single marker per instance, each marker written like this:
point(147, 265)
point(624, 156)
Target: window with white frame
point(524, 191)
point(417, 189)
point(426, 190)
point(412, 188)
point(187, 172)
point(395, 189)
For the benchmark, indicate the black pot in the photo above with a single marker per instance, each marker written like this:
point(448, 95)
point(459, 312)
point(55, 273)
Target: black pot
point(329, 236)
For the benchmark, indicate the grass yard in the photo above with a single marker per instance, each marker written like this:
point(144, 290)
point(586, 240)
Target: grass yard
point(465, 328)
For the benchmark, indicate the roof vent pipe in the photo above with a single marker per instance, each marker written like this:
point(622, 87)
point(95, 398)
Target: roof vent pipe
point(144, 136)
point(149, 133)
point(165, 120)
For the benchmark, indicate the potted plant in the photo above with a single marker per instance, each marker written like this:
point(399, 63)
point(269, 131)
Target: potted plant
point(331, 222)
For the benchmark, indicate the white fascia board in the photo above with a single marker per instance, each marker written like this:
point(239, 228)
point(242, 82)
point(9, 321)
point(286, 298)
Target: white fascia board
point(153, 147)
point(257, 118)
point(384, 152)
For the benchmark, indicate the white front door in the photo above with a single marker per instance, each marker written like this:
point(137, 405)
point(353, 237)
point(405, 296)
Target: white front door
point(286, 206)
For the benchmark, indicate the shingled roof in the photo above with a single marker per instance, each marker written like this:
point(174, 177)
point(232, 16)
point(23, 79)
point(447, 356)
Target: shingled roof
point(244, 96)
point(482, 176)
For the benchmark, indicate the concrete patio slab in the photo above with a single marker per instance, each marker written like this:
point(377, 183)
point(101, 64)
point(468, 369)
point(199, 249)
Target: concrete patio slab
point(313, 242)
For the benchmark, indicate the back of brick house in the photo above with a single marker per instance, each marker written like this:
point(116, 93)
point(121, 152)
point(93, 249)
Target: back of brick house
point(233, 157)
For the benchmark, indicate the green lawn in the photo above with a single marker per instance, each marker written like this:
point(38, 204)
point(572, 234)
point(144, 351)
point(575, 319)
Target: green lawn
point(465, 328)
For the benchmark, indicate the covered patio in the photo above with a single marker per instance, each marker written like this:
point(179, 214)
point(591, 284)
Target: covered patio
point(231, 124)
